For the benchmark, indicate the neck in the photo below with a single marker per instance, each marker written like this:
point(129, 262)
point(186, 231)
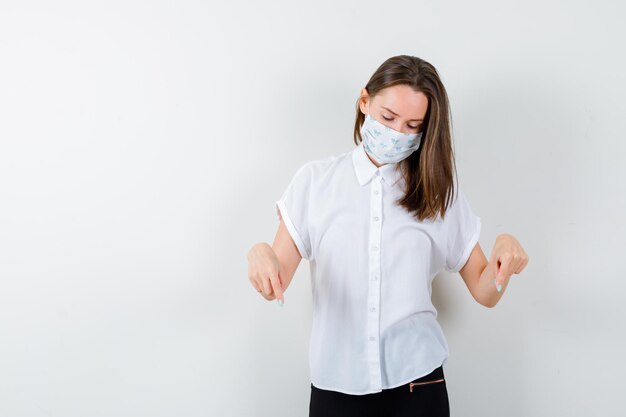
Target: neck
point(373, 160)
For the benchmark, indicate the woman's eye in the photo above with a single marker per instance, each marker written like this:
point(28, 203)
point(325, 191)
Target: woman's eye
point(390, 119)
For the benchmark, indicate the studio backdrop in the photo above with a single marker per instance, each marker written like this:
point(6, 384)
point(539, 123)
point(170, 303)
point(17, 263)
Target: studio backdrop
point(143, 145)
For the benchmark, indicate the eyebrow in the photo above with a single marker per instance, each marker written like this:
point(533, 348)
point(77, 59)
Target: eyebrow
point(395, 114)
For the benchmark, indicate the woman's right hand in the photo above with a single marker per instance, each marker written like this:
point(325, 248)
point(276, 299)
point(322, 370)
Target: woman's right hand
point(264, 272)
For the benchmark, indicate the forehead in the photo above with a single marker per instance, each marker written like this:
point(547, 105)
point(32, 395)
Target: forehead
point(403, 100)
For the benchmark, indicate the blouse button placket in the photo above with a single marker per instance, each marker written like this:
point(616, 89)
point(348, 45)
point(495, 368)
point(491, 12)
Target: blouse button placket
point(373, 299)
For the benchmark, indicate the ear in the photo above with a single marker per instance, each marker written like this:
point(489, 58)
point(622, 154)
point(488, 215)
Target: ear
point(364, 100)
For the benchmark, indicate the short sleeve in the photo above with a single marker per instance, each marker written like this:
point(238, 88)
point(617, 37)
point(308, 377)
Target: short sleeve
point(462, 230)
point(293, 206)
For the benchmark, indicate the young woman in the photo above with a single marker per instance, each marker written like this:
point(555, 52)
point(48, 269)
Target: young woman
point(377, 224)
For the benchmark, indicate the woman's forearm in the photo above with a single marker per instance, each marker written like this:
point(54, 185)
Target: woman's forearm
point(487, 290)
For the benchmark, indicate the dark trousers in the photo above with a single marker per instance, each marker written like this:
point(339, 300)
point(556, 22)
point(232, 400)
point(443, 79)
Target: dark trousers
point(422, 397)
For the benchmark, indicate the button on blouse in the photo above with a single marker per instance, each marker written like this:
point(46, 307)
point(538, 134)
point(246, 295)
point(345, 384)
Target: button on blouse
point(372, 263)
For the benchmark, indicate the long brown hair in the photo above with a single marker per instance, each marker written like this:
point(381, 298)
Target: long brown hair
point(428, 172)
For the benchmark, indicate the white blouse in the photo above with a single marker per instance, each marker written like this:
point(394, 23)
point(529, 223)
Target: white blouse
point(372, 264)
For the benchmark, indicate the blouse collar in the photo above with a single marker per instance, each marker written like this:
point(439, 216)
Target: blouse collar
point(365, 169)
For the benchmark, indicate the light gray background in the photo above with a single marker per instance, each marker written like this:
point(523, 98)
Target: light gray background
point(143, 144)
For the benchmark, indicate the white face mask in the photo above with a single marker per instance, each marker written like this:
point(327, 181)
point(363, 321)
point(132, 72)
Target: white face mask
point(385, 144)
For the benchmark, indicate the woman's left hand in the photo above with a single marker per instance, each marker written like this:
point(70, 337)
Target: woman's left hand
point(509, 258)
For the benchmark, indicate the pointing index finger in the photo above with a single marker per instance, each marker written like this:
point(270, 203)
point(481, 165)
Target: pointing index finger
point(278, 289)
point(500, 274)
